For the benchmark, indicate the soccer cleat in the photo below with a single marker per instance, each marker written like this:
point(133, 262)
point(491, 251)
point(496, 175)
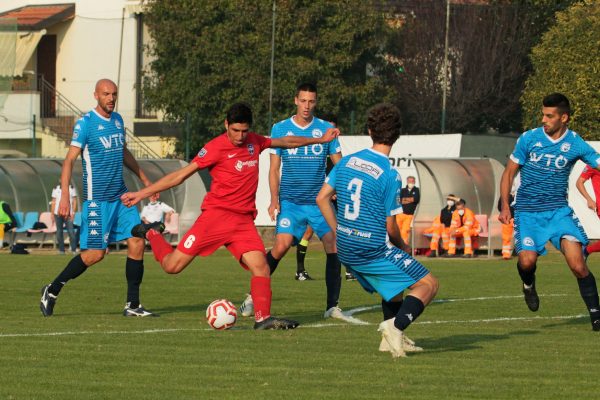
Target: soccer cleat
point(276, 323)
point(350, 276)
point(137, 312)
point(531, 297)
point(596, 325)
point(334, 312)
point(47, 302)
point(247, 307)
point(140, 230)
point(303, 276)
point(393, 336)
point(408, 345)
point(432, 254)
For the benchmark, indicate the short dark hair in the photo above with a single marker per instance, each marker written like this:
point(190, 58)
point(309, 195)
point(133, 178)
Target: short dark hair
point(330, 118)
point(239, 113)
point(306, 87)
point(461, 201)
point(559, 101)
point(384, 122)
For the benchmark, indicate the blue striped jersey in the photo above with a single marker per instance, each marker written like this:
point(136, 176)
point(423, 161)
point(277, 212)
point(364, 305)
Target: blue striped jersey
point(303, 168)
point(368, 191)
point(102, 142)
point(545, 168)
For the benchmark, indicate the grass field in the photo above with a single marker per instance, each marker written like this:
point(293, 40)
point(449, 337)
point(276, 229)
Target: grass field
point(480, 340)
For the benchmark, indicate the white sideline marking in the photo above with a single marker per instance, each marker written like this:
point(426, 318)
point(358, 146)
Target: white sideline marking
point(348, 313)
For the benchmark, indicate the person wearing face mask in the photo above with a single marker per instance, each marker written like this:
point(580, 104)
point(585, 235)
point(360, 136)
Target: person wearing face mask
point(441, 227)
point(410, 197)
point(156, 211)
point(465, 224)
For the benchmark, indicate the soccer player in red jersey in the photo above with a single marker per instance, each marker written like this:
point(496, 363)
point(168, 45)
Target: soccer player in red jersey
point(593, 174)
point(228, 210)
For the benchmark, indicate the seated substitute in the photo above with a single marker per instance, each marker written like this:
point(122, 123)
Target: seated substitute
point(367, 189)
point(463, 224)
point(156, 211)
point(441, 227)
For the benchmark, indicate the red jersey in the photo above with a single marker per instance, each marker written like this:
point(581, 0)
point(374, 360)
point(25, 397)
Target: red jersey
point(234, 172)
point(594, 175)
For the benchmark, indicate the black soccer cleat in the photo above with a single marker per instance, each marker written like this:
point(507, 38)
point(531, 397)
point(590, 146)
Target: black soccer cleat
point(531, 297)
point(140, 230)
point(276, 323)
point(303, 276)
point(596, 325)
point(47, 302)
point(350, 276)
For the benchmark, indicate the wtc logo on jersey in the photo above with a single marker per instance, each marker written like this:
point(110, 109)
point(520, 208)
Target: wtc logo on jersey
point(107, 141)
point(528, 242)
point(285, 223)
point(559, 162)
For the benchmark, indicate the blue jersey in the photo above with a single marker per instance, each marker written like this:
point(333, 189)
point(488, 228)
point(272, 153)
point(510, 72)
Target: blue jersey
point(545, 168)
point(303, 168)
point(102, 142)
point(368, 191)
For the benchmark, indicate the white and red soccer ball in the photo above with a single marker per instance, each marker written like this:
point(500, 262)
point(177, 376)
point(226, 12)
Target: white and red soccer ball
point(221, 314)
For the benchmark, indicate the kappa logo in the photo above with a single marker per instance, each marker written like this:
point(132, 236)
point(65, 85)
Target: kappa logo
point(285, 223)
point(93, 232)
point(251, 149)
point(397, 257)
point(93, 204)
point(100, 128)
point(528, 242)
point(93, 214)
point(317, 133)
point(407, 263)
point(93, 223)
point(289, 133)
point(409, 316)
point(77, 127)
point(538, 144)
point(565, 147)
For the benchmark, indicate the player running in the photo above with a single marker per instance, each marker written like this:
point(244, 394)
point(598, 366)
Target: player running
point(368, 189)
point(545, 157)
point(229, 208)
point(100, 137)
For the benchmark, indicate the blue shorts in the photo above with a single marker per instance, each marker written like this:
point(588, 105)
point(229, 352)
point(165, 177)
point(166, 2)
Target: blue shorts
point(389, 274)
point(294, 218)
point(534, 229)
point(105, 222)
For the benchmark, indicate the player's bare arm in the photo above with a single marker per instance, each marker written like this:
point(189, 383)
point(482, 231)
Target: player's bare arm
point(274, 181)
point(166, 182)
point(131, 163)
point(64, 206)
point(580, 186)
point(335, 158)
point(289, 142)
point(324, 202)
point(394, 234)
point(505, 184)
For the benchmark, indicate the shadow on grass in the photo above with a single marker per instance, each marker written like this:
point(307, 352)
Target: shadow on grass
point(466, 342)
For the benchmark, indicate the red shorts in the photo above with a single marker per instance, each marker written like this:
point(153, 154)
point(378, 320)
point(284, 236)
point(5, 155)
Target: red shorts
point(215, 228)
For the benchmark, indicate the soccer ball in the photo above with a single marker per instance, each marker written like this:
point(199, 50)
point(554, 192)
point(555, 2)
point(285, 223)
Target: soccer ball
point(221, 314)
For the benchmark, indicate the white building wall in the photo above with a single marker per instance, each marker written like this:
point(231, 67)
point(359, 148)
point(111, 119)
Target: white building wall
point(88, 49)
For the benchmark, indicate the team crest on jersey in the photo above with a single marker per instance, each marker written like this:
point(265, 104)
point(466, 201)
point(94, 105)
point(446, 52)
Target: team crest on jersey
point(251, 149)
point(285, 223)
point(317, 133)
point(75, 134)
point(118, 124)
point(565, 147)
point(528, 242)
point(202, 152)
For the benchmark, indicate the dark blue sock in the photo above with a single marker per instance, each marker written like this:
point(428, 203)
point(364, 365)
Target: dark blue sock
point(528, 277)
point(272, 261)
point(74, 268)
point(390, 308)
point(300, 256)
point(333, 279)
point(134, 272)
point(409, 311)
point(589, 294)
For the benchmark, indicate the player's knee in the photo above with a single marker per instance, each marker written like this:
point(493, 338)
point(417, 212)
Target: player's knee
point(92, 257)
point(261, 270)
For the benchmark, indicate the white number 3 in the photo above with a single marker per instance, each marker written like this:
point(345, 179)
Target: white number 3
point(354, 186)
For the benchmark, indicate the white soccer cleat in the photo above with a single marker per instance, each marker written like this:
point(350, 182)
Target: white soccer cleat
point(247, 307)
point(408, 346)
point(334, 312)
point(393, 336)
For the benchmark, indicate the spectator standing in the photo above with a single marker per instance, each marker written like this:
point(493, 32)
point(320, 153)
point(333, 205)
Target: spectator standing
point(410, 197)
point(64, 222)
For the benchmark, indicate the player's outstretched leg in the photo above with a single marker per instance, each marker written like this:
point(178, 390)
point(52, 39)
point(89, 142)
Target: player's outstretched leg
point(141, 230)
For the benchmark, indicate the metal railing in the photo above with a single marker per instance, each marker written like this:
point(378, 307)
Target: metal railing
point(59, 114)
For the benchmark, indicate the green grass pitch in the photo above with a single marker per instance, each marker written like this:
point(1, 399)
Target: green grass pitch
point(480, 340)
